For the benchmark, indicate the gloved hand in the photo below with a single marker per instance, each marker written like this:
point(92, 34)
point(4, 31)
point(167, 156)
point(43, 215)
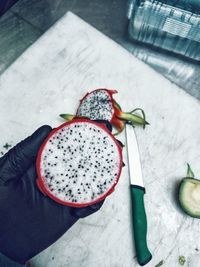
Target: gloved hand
point(30, 221)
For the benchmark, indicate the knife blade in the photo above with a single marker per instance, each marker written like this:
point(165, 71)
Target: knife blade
point(137, 188)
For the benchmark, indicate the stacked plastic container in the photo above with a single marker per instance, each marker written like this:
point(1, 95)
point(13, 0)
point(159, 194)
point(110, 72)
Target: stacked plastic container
point(173, 25)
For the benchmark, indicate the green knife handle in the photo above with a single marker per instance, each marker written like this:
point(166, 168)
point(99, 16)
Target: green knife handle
point(140, 224)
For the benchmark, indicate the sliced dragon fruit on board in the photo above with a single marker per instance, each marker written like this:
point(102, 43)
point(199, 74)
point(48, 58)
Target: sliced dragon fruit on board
point(79, 164)
point(99, 104)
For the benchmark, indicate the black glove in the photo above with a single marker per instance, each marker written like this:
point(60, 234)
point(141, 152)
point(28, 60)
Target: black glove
point(30, 221)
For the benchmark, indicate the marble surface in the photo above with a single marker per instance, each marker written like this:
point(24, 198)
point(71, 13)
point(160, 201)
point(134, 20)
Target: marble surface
point(50, 78)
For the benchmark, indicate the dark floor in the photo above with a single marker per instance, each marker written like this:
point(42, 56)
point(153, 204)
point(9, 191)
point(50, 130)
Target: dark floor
point(27, 20)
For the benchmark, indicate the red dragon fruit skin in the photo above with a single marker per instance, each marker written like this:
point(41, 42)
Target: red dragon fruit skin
point(79, 163)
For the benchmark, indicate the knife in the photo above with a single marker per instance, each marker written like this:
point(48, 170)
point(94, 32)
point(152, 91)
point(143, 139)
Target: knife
point(137, 198)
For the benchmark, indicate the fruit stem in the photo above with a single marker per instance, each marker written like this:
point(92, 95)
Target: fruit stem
point(190, 173)
point(67, 117)
point(131, 118)
point(116, 104)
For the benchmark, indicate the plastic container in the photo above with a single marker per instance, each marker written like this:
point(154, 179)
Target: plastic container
point(173, 25)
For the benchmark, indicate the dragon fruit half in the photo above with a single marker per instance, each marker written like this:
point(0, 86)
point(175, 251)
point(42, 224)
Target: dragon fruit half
point(100, 105)
point(79, 163)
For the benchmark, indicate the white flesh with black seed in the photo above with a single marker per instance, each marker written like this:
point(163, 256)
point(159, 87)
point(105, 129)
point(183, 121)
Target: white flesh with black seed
point(97, 105)
point(80, 162)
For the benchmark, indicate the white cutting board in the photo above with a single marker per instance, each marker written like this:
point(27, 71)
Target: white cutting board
point(50, 78)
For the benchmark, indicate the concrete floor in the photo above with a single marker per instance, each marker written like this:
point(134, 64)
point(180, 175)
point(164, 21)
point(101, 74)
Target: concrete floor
point(27, 20)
